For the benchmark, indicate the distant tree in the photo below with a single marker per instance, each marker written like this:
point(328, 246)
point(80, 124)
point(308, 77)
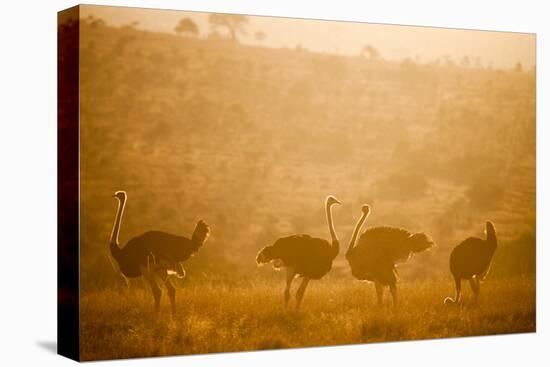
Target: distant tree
point(260, 36)
point(131, 26)
point(234, 23)
point(370, 53)
point(448, 61)
point(518, 68)
point(477, 62)
point(187, 26)
point(95, 22)
point(465, 62)
point(215, 35)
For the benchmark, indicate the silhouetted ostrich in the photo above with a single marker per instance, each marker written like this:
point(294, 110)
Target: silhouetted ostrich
point(471, 260)
point(303, 255)
point(379, 250)
point(155, 254)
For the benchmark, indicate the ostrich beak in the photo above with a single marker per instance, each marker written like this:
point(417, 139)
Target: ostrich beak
point(336, 201)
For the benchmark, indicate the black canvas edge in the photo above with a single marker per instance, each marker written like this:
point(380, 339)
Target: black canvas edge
point(68, 42)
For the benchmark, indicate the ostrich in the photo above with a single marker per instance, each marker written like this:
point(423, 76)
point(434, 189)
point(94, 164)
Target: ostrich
point(471, 260)
point(379, 250)
point(303, 256)
point(155, 255)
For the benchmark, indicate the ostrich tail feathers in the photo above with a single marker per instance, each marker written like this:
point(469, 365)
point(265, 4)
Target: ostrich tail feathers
point(419, 242)
point(201, 232)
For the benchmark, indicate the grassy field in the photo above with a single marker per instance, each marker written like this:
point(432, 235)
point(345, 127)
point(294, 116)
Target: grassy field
point(247, 315)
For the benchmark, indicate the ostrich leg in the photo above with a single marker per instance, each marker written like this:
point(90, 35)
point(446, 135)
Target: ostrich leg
point(393, 290)
point(290, 274)
point(155, 289)
point(171, 294)
point(301, 291)
point(379, 293)
point(474, 283)
point(458, 296)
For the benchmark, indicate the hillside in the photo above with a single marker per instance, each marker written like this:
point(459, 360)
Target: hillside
point(252, 140)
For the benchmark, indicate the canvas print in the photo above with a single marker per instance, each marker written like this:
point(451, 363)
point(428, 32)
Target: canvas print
point(237, 183)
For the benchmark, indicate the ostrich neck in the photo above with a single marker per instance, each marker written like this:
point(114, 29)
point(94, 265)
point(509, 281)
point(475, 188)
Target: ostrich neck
point(331, 224)
point(491, 239)
point(116, 227)
point(356, 231)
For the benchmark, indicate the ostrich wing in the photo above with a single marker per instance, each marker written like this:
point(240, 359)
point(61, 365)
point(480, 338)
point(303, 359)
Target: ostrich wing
point(164, 246)
point(310, 256)
point(385, 244)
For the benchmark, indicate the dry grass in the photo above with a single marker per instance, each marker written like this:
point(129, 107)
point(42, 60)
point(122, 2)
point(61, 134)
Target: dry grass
point(250, 316)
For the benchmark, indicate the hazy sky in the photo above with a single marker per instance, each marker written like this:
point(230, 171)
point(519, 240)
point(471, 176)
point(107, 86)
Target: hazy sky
point(502, 49)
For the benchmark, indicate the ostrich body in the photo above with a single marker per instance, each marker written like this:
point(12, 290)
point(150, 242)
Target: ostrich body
point(155, 255)
point(377, 252)
point(471, 260)
point(303, 256)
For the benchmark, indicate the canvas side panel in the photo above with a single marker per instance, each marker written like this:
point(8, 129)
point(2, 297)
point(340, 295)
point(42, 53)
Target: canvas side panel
point(67, 183)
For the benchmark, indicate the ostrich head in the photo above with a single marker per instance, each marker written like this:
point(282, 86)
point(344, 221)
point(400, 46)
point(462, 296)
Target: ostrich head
point(490, 231)
point(120, 195)
point(366, 211)
point(331, 200)
point(489, 227)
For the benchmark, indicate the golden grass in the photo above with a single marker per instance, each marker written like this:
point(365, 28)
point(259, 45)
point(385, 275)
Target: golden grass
point(248, 315)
